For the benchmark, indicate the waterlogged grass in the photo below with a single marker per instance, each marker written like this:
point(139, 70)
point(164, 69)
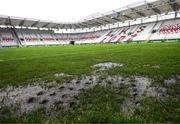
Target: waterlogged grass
point(19, 66)
point(93, 107)
point(103, 105)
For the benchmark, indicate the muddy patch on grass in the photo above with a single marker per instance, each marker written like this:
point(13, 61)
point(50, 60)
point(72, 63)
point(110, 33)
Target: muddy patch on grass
point(106, 66)
point(141, 87)
point(47, 95)
point(173, 80)
point(32, 97)
point(138, 86)
point(156, 92)
point(57, 75)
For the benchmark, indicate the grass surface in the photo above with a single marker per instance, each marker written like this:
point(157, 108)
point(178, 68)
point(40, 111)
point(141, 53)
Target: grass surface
point(19, 66)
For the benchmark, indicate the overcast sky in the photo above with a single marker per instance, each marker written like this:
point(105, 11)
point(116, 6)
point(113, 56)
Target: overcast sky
point(59, 10)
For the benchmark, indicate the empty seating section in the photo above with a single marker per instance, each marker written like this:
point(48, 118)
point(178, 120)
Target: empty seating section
point(171, 30)
point(7, 38)
point(163, 30)
point(62, 38)
point(143, 32)
point(48, 38)
point(168, 30)
point(35, 37)
point(81, 38)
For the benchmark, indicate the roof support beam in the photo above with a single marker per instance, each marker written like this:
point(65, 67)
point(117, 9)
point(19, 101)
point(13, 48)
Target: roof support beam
point(138, 13)
point(156, 10)
point(96, 22)
point(81, 25)
point(66, 26)
point(91, 23)
point(99, 20)
point(70, 26)
point(112, 19)
point(63, 26)
point(77, 26)
point(117, 19)
point(87, 24)
point(56, 26)
point(22, 23)
point(8, 21)
point(44, 26)
point(34, 24)
point(127, 16)
point(106, 21)
point(174, 5)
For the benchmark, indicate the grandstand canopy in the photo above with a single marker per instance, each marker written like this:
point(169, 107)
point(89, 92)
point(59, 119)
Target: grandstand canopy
point(131, 12)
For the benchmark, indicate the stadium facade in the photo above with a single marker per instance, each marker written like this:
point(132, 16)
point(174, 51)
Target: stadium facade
point(150, 20)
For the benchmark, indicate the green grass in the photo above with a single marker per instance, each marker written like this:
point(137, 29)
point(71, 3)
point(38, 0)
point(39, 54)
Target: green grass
point(22, 64)
point(19, 66)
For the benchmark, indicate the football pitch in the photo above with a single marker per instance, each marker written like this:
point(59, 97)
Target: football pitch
point(157, 61)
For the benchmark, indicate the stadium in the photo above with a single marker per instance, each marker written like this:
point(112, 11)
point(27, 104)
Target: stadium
point(121, 66)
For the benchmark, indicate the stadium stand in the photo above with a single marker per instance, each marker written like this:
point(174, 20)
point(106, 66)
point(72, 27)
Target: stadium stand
point(166, 26)
point(167, 31)
point(7, 38)
point(155, 31)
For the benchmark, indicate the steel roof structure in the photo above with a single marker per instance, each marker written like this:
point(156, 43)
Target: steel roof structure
point(142, 9)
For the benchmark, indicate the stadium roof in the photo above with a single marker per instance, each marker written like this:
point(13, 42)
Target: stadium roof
point(142, 9)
